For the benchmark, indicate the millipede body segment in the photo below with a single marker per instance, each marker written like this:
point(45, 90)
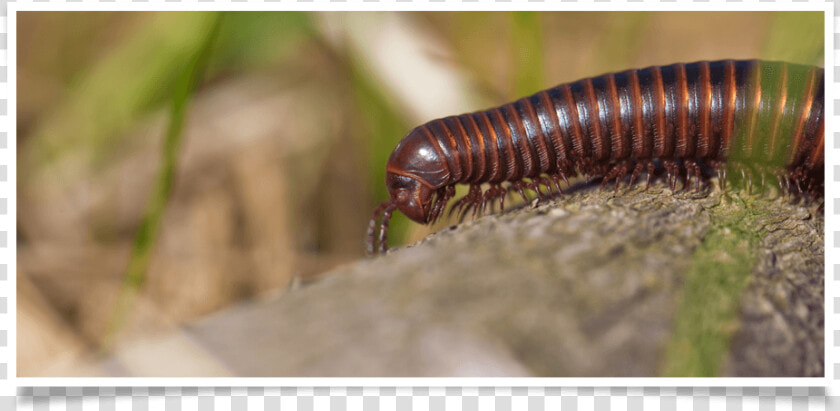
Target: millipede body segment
point(756, 118)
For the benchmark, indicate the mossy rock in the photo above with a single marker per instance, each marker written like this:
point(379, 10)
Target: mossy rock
point(631, 282)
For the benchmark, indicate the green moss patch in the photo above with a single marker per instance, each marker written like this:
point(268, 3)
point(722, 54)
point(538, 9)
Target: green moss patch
point(719, 272)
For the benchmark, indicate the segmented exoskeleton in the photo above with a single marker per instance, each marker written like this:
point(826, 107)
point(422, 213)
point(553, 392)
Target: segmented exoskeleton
point(754, 117)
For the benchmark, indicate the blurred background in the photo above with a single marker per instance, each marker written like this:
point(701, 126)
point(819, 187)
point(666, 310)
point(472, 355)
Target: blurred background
point(171, 164)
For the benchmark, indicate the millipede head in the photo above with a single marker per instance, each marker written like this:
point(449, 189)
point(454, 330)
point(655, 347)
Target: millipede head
point(411, 196)
point(414, 198)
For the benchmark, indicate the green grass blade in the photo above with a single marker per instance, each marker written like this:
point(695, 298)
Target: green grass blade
point(144, 241)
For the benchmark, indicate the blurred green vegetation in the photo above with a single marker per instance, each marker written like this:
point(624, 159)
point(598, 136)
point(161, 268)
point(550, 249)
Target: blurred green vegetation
point(253, 41)
point(381, 122)
point(796, 37)
point(93, 116)
point(183, 88)
point(620, 43)
point(131, 80)
point(526, 34)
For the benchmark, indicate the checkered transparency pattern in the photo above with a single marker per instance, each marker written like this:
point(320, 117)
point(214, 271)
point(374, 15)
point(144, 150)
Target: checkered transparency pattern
point(403, 398)
point(5, 220)
point(421, 398)
point(833, 207)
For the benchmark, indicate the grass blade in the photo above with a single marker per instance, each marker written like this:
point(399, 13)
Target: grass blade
point(144, 240)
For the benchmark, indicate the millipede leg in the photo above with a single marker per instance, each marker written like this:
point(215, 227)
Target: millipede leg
point(607, 177)
point(450, 192)
point(669, 173)
point(488, 195)
point(518, 186)
point(749, 181)
point(444, 199)
point(723, 180)
point(464, 212)
point(718, 171)
point(650, 169)
point(456, 208)
point(472, 199)
point(535, 184)
point(371, 233)
point(383, 231)
point(779, 181)
point(478, 200)
point(502, 195)
point(546, 181)
point(636, 171)
point(689, 171)
point(762, 179)
point(496, 193)
point(625, 168)
point(743, 173)
point(548, 189)
point(476, 205)
point(443, 196)
point(475, 200)
point(692, 170)
point(563, 169)
point(556, 179)
point(435, 208)
point(617, 173)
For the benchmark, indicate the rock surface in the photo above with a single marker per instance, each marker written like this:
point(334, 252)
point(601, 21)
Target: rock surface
point(584, 286)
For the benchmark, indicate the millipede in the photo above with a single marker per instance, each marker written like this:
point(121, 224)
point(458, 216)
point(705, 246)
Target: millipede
point(755, 118)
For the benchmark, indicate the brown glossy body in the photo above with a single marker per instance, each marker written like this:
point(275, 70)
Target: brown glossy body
point(766, 117)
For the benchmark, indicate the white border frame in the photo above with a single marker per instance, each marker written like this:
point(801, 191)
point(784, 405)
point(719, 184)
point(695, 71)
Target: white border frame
point(9, 224)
